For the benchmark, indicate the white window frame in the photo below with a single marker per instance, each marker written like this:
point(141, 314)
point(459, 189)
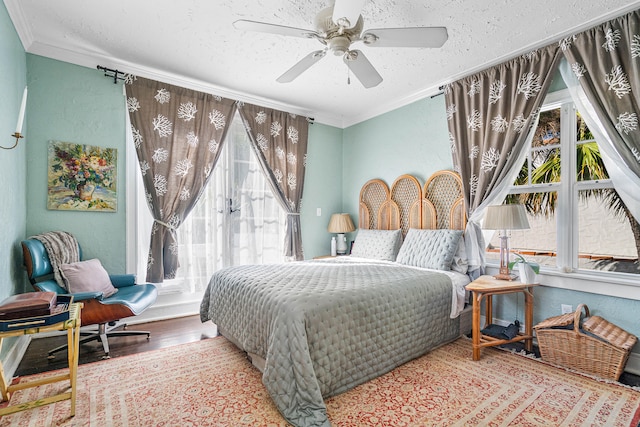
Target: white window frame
point(567, 275)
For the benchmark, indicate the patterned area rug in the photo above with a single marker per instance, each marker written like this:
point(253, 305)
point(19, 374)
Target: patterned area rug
point(211, 383)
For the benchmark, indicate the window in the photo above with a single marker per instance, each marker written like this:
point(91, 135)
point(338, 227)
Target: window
point(578, 222)
point(236, 221)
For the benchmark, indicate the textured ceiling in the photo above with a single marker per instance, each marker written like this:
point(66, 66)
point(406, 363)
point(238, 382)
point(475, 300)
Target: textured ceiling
point(193, 43)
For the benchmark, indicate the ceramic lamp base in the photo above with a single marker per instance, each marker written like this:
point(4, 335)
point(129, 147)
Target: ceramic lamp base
point(341, 248)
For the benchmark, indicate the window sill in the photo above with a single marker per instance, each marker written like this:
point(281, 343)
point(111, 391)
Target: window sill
point(610, 284)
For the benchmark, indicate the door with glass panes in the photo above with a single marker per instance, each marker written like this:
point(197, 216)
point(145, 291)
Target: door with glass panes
point(237, 220)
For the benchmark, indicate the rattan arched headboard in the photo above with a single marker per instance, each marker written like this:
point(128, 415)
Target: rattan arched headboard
point(444, 190)
point(372, 195)
point(438, 204)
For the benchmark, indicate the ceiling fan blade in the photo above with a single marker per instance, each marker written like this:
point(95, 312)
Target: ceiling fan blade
point(362, 68)
point(264, 27)
point(405, 37)
point(301, 66)
point(349, 10)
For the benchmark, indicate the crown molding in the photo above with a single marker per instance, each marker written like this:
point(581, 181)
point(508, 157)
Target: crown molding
point(93, 59)
point(86, 58)
point(435, 90)
point(20, 22)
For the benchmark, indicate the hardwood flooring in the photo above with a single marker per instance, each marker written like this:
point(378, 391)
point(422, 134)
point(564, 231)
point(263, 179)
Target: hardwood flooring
point(164, 333)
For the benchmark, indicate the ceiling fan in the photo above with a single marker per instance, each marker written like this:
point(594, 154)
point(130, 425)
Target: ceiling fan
point(338, 27)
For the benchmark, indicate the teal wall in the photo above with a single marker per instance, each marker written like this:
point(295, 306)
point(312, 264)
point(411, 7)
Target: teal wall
point(75, 104)
point(413, 139)
point(13, 173)
point(322, 188)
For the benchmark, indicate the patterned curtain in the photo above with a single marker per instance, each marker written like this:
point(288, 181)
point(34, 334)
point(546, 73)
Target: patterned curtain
point(178, 133)
point(605, 61)
point(490, 116)
point(280, 142)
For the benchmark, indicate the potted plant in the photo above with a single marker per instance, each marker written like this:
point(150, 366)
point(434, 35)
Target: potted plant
point(528, 270)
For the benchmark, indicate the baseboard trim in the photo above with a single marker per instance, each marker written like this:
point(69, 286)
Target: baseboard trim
point(14, 355)
point(163, 309)
point(633, 364)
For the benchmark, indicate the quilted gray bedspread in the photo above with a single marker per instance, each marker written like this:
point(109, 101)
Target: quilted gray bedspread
point(325, 327)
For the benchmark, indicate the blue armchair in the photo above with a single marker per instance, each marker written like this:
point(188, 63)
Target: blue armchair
point(131, 299)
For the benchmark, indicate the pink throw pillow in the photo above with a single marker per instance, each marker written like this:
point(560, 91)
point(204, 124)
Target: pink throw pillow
point(88, 276)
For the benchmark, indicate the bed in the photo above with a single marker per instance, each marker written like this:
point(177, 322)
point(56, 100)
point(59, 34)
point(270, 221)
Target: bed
point(318, 328)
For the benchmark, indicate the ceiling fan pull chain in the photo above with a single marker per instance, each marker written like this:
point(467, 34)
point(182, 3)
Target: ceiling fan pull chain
point(348, 76)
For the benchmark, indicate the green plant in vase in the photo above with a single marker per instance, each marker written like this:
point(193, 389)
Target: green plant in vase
point(528, 269)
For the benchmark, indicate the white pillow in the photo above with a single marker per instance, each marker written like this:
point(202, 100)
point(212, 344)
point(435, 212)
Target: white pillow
point(429, 248)
point(87, 276)
point(460, 262)
point(377, 244)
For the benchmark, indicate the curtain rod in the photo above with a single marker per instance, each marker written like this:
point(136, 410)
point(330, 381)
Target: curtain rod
point(115, 74)
point(120, 75)
point(441, 91)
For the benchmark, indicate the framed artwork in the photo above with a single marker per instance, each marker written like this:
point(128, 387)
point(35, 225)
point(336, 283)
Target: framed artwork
point(81, 177)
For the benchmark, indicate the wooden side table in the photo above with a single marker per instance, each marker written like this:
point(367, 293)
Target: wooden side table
point(485, 287)
point(72, 326)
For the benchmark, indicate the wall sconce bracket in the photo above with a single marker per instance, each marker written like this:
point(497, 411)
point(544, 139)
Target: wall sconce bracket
point(17, 136)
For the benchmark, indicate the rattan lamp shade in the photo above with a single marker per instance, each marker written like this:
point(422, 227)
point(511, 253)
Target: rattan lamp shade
point(340, 223)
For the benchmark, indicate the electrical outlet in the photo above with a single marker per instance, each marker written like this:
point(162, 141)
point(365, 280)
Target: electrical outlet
point(566, 308)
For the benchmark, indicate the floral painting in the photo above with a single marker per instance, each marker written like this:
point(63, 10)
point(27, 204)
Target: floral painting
point(81, 177)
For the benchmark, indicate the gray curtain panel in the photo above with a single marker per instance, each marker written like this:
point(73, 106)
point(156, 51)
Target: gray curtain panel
point(177, 134)
point(489, 116)
point(606, 61)
point(279, 140)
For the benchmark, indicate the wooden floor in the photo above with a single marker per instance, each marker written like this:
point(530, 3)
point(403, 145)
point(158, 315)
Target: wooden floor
point(165, 333)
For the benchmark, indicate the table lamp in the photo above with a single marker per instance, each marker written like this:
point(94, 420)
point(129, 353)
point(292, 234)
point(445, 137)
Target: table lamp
point(341, 223)
point(505, 218)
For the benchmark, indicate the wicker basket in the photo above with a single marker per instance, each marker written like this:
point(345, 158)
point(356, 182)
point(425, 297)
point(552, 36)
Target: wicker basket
point(602, 351)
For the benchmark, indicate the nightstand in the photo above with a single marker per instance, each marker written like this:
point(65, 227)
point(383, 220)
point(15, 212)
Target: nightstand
point(485, 287)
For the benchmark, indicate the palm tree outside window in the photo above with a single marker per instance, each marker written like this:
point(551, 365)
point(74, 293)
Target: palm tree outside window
point(578, 221)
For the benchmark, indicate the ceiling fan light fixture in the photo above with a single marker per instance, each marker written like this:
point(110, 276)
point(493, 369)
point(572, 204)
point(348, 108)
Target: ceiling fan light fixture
point(352, 55)
point(369, 39)
point(343, 23)
point(339, 45)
